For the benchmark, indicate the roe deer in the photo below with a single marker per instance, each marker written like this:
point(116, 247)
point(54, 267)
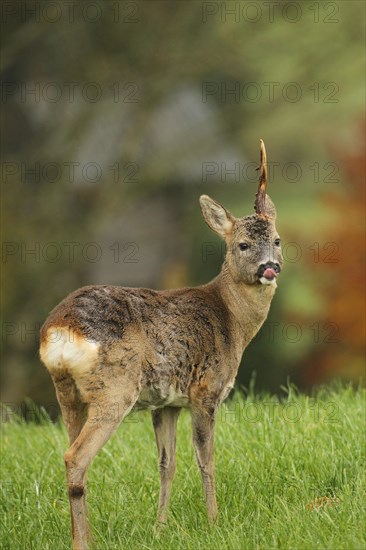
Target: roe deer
point(121, 349)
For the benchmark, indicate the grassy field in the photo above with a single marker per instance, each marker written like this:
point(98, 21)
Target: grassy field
point(290, 474)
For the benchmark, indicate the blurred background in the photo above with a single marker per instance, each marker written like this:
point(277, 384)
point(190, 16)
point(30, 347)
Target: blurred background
point(118, 115)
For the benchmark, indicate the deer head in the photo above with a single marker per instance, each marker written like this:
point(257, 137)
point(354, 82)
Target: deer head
point(253, 245)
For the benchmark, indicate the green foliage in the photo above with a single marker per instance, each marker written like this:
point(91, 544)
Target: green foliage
point(290, 474)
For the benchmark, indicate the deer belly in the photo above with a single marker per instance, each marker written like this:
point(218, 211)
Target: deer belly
point(155, 398)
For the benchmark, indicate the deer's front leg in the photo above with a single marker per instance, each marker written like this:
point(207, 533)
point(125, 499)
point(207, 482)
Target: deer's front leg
point(165, 426)
point(203, 425)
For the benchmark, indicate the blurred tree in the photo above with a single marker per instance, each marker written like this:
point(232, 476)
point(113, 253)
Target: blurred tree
point(166, 107)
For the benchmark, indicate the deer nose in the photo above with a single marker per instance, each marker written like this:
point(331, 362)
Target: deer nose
point(268, 265)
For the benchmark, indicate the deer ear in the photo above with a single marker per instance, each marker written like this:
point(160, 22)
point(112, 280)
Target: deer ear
point(270, 208)
point(216, 216)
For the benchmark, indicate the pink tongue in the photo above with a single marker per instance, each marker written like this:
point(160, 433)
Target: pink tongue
point(269, 273)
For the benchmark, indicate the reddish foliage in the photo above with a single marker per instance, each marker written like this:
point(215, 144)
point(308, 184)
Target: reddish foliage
point(345, 293)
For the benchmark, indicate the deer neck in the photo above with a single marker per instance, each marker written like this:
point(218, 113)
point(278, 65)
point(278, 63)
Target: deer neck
point(248, 304)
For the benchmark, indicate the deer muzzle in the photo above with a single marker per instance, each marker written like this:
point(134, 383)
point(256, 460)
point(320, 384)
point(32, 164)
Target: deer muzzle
point(268, 271)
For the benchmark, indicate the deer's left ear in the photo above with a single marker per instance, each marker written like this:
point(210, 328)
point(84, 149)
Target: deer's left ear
point(270, 208)
point(216, 216)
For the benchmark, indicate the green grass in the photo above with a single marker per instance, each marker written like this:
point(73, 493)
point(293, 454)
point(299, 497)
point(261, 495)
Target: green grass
point(273, 460)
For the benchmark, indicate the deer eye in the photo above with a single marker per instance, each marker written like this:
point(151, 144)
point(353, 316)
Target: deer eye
point(277, 242)
point(243, 246)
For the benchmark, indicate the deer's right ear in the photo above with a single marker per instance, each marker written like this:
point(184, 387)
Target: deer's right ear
point(216, 216)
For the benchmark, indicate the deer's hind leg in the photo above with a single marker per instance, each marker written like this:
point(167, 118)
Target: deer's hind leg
point(108, 392)
point(74, 413)
point(73, 410)
point(101, 422)
point(165, 427)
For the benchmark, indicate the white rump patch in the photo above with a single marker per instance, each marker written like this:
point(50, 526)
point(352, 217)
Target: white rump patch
point(66, 349)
